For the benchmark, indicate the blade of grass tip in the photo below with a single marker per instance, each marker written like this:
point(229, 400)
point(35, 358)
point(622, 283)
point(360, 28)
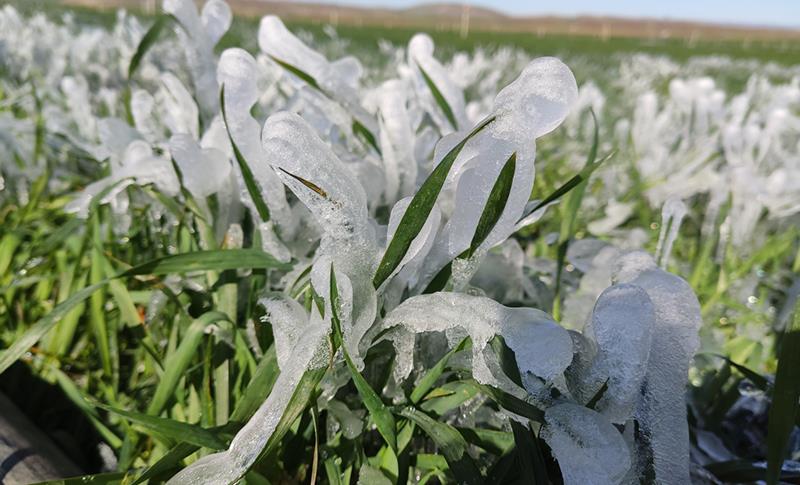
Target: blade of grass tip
point(495, 204)
point(176, 363)
point(450, 443)
point(439, 98)
point(148, 40)
point(380, 414)
point(429, 379)
point(419, 209)
point(757, 379)
point(785, 395)
point(219, 260)
point(171, 429)
point(249, 179)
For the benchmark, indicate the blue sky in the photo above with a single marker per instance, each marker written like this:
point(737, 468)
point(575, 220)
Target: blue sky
point(751, 12)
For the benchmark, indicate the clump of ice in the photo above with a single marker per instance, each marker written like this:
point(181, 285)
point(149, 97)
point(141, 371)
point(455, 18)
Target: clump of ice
point(542, 348)
point(672, 215)
point(661, 412)
point(621, 326)
point(589, 449)
point(202, 31)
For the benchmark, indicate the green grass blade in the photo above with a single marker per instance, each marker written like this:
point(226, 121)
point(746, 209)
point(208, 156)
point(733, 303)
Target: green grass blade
point(513, 403)
point(380, 414)
point(249, 179)
point(214, 260)
point(171, 429)
point(258, 388)
point(529, 455)
point(439, 98)
point(785, 395)
point(496, 203)
point(97, 479)
point(429, 379)
point(495, 442)
point(176, 363)
point(149, 39)
point(450, 442)
point(418, 211)
point(297, 72)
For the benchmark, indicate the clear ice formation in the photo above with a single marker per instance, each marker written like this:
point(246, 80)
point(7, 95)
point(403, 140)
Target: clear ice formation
point(542, 348)
point(661, 411)
point(589, 449)
point(672, 215)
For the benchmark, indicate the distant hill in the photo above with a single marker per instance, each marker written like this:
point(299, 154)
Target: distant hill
point(460, 17)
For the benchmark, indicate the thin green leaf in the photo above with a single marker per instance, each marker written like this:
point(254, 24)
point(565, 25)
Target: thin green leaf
point(598, 396)
point(418, 210)
point(297, 72)
point(97, 479)
point(429, 379)
point(380, 414)
point(258, 388)
point(529, 455)
point(513, 403)
point(170, 462)
point(171, 429)
point(785, 396)
point(450, 443)
point(757, 379)
point(148, 41)
point(495, 442)
point(216, 260)
point(439, 98)
point(177, 362)
point(249, 179)
point(495, 204)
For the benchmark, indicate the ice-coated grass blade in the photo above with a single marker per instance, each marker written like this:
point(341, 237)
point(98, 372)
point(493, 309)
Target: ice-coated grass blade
point(598, 396)
point(176, 363)
point(249, 179)
point(310, 185)
point(450, 443)
point(308, 78)
point(429, 379)
point(439, 98)
point(495, 205)
point(785, 395)
point(214, 260)
point(419, 209)
point(362, 131)
point(148, 40)
point(380, 414)
point(298, 403)
point(171, 429)
point(513, 403)
point(358, 128)
point(507, 359)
